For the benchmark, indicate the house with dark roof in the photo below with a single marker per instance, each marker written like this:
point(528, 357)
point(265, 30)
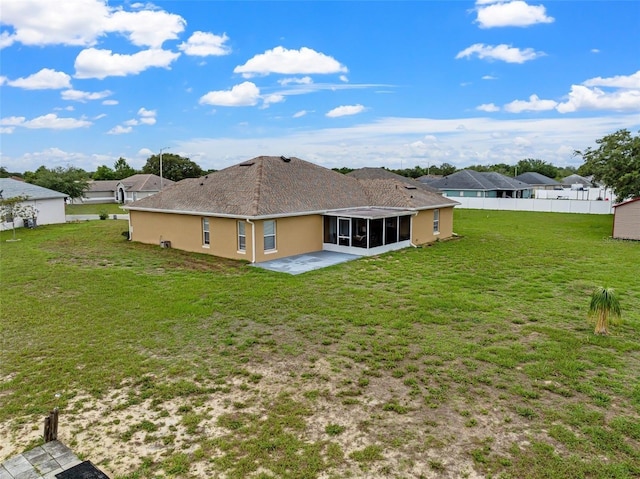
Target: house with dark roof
point(626, 220)
point(139, 186)
point(272, 207)
point(49, 204)
point(471, 183)
point(99, 191)
point(539, 181)
point(576, 182)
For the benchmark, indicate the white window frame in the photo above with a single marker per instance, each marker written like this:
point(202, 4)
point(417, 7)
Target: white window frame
point(242, 237)
point(436, 221)
point(270, 235)
point(206, 233)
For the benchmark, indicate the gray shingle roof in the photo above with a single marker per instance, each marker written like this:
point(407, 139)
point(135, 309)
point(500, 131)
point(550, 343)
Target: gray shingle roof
point(535, 178)
point(144, 182)
point(273, 186)
point(382, 174)
point(12, 188)
point(576, 179)
point(103, 185)
point(475, 180)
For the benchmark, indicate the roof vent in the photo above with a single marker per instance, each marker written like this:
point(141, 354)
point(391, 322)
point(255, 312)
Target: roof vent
point(247, 163)
point(410, 187)
point(285, 159)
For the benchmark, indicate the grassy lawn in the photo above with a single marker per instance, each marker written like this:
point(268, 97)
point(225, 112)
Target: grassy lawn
point(95, 209)
point(468, 358)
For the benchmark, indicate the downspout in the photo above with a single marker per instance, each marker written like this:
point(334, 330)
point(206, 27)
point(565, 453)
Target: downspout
point(253, 240)
point(411, 233)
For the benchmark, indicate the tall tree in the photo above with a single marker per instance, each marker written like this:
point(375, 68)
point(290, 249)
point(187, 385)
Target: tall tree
point(174, 167)
point(616, 162)
point(103, 172)
point(123, 170)
point(537, 166)
point(71, 181)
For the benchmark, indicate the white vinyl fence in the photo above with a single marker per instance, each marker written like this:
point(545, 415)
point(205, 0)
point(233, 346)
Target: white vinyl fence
point(528, 204)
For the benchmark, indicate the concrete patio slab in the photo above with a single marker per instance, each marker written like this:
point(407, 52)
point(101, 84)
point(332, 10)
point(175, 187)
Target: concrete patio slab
point(303, 263)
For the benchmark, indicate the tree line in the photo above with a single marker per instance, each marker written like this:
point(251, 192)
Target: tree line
point(615, 162)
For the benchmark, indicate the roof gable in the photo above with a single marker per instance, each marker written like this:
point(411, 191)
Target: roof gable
point(535, 178)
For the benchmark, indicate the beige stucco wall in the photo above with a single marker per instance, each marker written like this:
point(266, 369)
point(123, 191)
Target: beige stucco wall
point(422, 232)
point(296, 235)
point(301, 234)
point(626, 221)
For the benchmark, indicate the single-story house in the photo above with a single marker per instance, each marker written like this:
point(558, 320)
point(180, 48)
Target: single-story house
point(626, 219)
point(99, 191)
point(577, 182)
point(471, 183)
point(539, 181)
point(272, 207)
point(49, 204)
point(139, 186)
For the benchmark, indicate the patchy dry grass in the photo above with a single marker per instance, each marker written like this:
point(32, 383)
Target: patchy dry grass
point(470, 358)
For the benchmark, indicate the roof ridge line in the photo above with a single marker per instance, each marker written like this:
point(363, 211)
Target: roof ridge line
point(258, 190)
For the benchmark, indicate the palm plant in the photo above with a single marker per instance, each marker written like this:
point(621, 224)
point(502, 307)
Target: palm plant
point(603, 308)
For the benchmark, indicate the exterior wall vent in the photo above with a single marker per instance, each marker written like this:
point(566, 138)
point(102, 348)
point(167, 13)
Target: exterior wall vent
point(285, 159)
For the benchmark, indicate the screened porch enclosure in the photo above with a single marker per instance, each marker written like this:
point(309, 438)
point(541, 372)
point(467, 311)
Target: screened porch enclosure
point(367, 231)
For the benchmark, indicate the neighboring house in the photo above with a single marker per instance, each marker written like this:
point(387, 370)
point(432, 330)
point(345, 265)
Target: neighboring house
point(471, 183)
point(140, 186)
point(626, 220)
point(49, 204)
point(272, 207)
point(99, 191)
point(576, 182)
point(539, 181)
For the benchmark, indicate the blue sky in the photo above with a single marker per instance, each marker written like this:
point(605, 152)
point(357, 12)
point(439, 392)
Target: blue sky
point(395, 84)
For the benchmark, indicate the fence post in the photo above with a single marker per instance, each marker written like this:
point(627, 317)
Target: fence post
point(51, 426)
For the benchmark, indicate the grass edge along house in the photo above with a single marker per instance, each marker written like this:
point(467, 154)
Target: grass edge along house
point(271, 207)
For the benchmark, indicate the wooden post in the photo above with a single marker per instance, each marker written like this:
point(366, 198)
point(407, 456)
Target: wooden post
point(51, 426)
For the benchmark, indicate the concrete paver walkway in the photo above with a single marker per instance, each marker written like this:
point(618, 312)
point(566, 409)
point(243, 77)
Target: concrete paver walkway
point(42, 462)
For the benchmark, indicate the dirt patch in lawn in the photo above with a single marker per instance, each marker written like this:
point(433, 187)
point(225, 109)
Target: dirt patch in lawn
point(372, 430)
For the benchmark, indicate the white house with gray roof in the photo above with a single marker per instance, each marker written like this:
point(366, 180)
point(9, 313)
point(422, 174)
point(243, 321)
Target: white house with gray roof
point(48, 204)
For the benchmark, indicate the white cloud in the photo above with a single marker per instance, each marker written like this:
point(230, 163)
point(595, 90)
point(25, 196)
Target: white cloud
point(94, 63)
point(516, 13)
point(584, 98)
point(501, 52)
point(290, 62)
point(110, 102)
point(244, 94)
point(345, 110)
point(296, 81)
point(300, 114)
point(50, 121)
point(3, 80)
point(84, 96)
point(132, 122)
point(274, 98)
point(120, 130)
point(344, 78)
point(205, 44)
point(619, 81)
point(489, 77)
point(7, 130)
point(82, 22)
point(488, 107)
point(533, 104)
point(150, 28)
point(595, 50)
point(45, 79)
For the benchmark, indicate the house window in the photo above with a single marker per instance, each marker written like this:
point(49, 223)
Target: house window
point(436, 221)
point(206, 238)
point(242, 238)
point(269, 235)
